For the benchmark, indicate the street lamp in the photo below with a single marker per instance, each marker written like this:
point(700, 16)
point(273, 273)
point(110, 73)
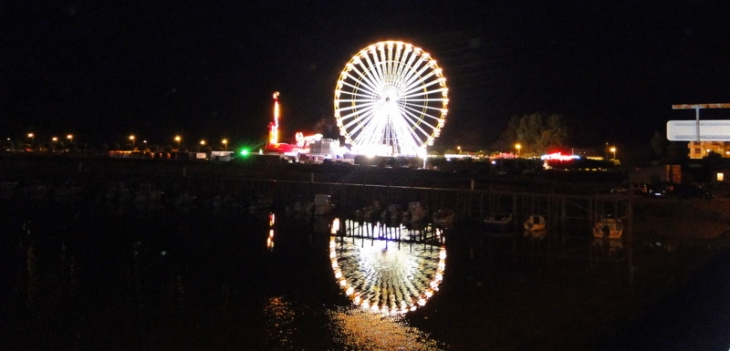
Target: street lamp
point(202, 143)
point(54, 139)
point(70, 138)
point(31, 136)
point(131, 137)
point(177, 138)
point(613, 149)
point(459, 148)
point(518, 147)
point(225, 144)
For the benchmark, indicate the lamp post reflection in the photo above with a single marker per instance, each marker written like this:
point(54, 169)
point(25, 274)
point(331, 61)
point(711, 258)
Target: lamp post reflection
point(270, 237)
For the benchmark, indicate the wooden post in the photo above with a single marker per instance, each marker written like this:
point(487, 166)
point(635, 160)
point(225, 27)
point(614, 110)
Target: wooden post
point(630, 240)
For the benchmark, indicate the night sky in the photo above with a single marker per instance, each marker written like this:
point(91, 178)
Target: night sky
point(103, 70)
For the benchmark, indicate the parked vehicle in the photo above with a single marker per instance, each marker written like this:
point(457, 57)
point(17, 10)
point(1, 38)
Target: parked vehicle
point(660, 189)
point(692, 190)
point(626, 187)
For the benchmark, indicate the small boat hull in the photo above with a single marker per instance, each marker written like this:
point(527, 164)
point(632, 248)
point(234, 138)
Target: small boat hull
point(323, 205)
point(498, 223)
point(444, 217)
point(535, 223)
point(608, 228)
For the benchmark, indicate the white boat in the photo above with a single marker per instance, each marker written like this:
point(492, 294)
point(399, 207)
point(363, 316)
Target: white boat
point(608, 228)
point(444, 217)
point(368, 213)
point(391, 214)
point(498, 222)
point(535, 223)
point(323, 204)
point(416, 213)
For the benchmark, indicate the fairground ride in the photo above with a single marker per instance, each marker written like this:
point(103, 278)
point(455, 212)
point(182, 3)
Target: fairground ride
point(302, 145)
point(391, 99)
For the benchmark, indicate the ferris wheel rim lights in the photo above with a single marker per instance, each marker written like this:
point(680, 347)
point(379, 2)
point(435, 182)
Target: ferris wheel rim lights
point(391, 98)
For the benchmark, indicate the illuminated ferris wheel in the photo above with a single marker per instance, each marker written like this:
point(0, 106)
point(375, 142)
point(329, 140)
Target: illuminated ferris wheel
point(391, 99)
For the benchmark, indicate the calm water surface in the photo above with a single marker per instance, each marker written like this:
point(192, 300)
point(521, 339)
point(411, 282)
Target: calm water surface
point(92, 275)
point(102, 276)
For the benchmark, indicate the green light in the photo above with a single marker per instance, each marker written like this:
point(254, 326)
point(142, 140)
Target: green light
point(244, 152)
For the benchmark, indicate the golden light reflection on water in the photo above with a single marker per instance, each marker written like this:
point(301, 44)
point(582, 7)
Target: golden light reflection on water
point(361, 330)
point(386, 276)
point(270, 237)
point(280, 319)
point(350, 329)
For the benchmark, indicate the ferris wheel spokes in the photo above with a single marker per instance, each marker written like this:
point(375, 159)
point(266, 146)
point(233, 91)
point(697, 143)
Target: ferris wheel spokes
point(358, 117)
point(418, 125)
point(407, 135)
point(392, 97)
point(424, 108)
point(372, 132)
point(416, 73)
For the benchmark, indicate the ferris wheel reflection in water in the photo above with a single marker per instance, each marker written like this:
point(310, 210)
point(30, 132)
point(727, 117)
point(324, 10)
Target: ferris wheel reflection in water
point(387, 270)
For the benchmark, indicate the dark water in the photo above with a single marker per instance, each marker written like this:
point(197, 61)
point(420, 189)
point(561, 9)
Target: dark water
point(86, 274)
point(96, 276)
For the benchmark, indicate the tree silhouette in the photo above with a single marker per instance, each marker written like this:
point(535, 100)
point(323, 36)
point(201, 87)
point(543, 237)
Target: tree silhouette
point(659, 144)
point(536, 132)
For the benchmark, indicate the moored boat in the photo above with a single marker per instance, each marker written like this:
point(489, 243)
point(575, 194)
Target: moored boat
point(608, 228)
point(368, 213)
point(259, 203)
point(535, 223)
point(444, 217)
point(416, 213)
point(323, 204)
point(498, 222)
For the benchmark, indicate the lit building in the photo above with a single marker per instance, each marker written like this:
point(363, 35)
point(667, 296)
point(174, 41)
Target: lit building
point(698, 150)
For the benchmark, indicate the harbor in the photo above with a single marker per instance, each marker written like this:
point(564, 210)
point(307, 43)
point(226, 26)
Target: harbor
point(159, 271)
